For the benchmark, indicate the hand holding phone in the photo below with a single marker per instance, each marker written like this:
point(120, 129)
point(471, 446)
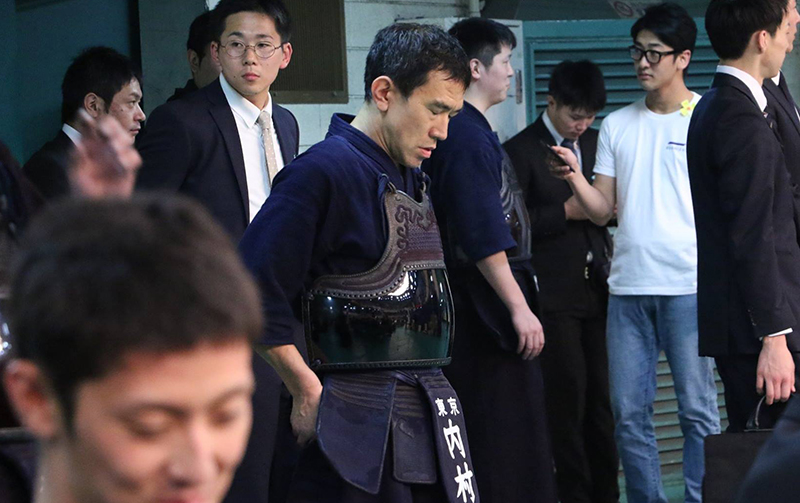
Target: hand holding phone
point(553, 160)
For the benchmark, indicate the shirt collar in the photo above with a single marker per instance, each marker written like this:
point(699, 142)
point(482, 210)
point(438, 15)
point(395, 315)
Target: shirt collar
point(552, 129)
point(72, 133)
point(240, 106)
point(777, 79)
point(748, 80)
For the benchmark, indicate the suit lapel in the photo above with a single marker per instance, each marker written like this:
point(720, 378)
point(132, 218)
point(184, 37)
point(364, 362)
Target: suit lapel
point(780, 97)
point(282, 130)
point(542, 131)
point(221, 112)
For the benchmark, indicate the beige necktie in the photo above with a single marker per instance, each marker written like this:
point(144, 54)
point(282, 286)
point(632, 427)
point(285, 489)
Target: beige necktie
point(265, 121)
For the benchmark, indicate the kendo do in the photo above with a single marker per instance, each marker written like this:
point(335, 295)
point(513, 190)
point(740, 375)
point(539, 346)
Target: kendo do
point(347, 252)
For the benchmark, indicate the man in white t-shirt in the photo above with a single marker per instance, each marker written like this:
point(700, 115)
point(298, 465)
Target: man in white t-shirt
point(641, 170)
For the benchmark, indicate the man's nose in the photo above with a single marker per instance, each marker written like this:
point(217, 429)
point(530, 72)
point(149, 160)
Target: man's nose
point(249, 55)
point(140, 116)
point(193, 459)
point(439, 130)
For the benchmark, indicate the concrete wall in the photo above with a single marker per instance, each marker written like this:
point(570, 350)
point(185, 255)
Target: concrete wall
point(363, 19)
point(48, 38)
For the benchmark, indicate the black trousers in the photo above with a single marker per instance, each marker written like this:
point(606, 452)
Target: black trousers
point(503, 401)
point(575, 368)
point(251, 483)
point(738, 373)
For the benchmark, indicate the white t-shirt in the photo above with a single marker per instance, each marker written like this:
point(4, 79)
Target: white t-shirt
point(655, 246)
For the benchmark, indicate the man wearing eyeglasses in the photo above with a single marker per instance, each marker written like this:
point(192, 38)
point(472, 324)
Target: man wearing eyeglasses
point(223, 145)
point(641, 170)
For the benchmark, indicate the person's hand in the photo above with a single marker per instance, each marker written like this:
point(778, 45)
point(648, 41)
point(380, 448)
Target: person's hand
point(572, 167)
point(529, 331)
point(573, 210)
point(775, 371)
point(105, 161)
point(305, 408)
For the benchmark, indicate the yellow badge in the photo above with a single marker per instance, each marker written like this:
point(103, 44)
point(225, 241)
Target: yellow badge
point(687, 107)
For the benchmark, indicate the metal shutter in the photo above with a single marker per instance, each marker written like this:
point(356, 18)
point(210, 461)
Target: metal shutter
point(546, 43)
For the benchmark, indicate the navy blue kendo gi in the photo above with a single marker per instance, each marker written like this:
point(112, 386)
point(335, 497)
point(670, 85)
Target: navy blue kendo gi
point(388, 430)
point(502, 394)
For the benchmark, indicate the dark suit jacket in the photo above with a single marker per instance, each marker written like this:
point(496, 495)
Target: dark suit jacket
point(191, 145)
point(748, 257)
point(47, 168)
point(181, 92)
point(559, 246)
point(780, 100)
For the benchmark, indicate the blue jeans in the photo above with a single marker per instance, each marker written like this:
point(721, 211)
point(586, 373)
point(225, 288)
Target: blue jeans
point(639, 326)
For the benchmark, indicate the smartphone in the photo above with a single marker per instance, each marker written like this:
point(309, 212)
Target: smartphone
point(553, 160)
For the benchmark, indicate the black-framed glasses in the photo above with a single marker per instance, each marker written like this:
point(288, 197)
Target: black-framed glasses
point(653, 57)
point(264, 50)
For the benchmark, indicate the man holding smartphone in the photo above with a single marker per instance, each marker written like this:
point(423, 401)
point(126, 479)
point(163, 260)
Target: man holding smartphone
point(641, 170)
point(570, 255)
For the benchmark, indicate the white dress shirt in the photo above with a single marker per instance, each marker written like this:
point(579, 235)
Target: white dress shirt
point(250, 136)
point(558, 138)
point(71, 132)
point(752, 84)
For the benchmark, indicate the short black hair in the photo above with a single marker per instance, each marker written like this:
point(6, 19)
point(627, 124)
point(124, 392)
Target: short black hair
point(482, 38)
point(99, 70)
point(200, 35)
point(578, 85)
point(97, 280)
point(671, 23)
point(408, 52)
point(731, 23)
point(272, 8)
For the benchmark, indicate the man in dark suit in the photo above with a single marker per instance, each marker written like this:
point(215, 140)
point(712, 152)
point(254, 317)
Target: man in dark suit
point(100, 81)
point(223, 144)
point(784, 108)
point(569, 255)
point(782, 104)
point(198, 53)
point(748, 256)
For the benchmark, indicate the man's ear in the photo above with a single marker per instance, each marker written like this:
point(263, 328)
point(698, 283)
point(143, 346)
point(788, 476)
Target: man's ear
point(684, 59)
point(194, 61)
point(383, 92)
point(761, 40)
point(214, 50)
point(551, 102)
point(94, 105)
point(32, 399)
point(475, 68)
point(287, 55)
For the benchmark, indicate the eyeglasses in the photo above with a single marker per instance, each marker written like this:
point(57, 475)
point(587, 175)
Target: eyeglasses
point(653, 57)
point(264, 50)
